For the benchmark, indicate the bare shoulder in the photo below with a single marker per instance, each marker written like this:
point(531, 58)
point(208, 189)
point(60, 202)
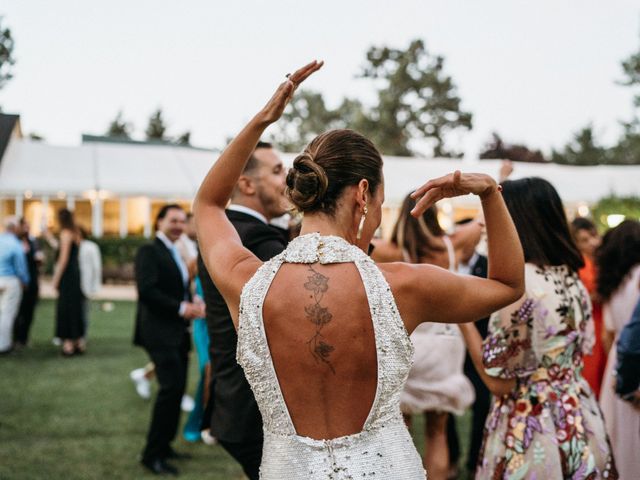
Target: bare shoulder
point(385, 251)
point(408, 278)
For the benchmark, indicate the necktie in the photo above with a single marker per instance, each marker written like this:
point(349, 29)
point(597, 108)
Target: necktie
point(181, 266)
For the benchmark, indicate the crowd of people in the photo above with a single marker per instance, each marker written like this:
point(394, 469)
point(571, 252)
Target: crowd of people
point(77, 276)
point(318, 343)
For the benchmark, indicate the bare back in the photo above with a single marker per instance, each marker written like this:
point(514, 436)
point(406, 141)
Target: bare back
point(322, 343)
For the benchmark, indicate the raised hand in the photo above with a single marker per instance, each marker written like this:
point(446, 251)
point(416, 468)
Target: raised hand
point(272, 111)
point(451, 185)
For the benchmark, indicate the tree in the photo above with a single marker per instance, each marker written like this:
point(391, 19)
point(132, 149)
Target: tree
point(6, 54)
point(118, 128)
point(306, 117)
point(416, 100)
point(184, 139)
point(583, 150)
point(156, 128)
point(497, 149)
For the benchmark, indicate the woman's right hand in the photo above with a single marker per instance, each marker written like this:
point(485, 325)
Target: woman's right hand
point(272, 111)
point(452, 185)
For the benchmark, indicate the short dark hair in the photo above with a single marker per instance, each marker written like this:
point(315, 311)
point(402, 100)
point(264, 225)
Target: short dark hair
point(65, 219)
point(252, 163)
point(582, 223)
point(164, 210)
point(330, 163)
point(618, 254)
point(539, 217)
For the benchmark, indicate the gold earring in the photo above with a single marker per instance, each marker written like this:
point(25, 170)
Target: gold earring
point(362, 219)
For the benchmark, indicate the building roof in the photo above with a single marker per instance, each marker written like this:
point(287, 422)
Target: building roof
point(172, 172)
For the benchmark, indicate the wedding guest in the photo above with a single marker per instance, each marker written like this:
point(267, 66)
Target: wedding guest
point(258, 196)
point(14, 277)
point(618, 262)
point(90, 261)
point(164, 312)
point(31, 292)
point(434, 388)
point(472, 263)
point(544, 420)
point(322, 329)
point(70, 326)
point(588, 240)
point(628, 367)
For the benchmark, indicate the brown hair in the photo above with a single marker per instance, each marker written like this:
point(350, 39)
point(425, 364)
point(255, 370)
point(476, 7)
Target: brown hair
point(65, 219)
point(416, 235)
point(616, 257)
point(332, 161)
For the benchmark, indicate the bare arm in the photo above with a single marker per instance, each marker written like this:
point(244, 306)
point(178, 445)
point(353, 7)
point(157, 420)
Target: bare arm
point(497, 386)
point(430, 294)
point(66, 239)
point(228, 262)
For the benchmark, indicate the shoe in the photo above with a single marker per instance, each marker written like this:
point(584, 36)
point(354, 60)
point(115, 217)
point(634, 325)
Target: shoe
point(207, 438)
point(173, 455)
point(158, 466)
point(187, 404)
point(142, 384)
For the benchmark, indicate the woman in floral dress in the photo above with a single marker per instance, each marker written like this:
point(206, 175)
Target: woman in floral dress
point(544, 422)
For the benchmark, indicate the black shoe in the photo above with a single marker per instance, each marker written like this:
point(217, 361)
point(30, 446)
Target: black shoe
point(158, 466)
point(172, 454)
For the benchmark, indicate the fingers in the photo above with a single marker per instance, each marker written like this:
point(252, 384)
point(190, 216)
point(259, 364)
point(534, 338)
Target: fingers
point(428, 199)
point(303, 73)
point(436, 182)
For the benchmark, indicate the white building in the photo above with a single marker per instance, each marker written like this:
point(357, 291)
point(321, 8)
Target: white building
point(117, 188)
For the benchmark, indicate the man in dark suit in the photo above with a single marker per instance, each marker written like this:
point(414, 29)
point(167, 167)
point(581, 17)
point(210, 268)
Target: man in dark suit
point(234, 416)
point(472, 263)
point(162, 328)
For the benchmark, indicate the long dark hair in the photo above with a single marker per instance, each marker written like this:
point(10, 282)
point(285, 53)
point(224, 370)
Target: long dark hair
point(416, 235)
point(618, 254)
point(539, 217)
point(66, 221)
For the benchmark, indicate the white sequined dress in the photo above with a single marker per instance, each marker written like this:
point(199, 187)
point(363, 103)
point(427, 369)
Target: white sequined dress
point(383, 449)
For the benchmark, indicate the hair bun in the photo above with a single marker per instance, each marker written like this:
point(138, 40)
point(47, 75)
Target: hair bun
point(307, 182)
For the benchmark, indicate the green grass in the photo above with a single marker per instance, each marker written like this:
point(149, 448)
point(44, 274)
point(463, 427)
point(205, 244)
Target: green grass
point(80, 418)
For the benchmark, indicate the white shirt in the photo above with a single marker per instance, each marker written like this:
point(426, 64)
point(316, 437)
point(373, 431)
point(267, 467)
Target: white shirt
point(181, 266)
point(90, 261)
point(465, 268)
point(248, 211)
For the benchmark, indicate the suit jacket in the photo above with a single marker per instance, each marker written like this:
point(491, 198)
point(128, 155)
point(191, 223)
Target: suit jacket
point(479, 269)
point(160, 291)
point(234, 412)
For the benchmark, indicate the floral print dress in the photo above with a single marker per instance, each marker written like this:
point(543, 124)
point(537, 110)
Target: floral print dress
point(550, 426)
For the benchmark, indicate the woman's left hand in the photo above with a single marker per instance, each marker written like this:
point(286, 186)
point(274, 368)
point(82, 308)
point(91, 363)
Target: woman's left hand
point(452, 185)
point(272, 111)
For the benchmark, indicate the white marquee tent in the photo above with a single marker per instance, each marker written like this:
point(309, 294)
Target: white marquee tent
point(101, 171)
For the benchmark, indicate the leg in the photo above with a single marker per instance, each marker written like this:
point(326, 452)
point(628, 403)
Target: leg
point(480, 411)
point(436, 456)
point(171, 371)
point(453, 444)
point(10, 296)
point(25, 316)
point(247, 454)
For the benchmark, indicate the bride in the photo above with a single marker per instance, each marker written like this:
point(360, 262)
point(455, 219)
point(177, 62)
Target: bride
point(323, 332)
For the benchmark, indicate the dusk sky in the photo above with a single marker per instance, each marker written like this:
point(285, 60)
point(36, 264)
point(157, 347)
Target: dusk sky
point(533, 71)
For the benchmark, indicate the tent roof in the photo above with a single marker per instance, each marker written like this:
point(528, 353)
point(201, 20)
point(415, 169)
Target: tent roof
point(167, 172)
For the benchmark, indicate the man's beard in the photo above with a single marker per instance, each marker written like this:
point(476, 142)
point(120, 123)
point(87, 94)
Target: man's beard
point(273, 206)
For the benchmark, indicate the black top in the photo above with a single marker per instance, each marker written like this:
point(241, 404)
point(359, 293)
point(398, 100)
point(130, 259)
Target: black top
point(234, 413)
point(161, 289)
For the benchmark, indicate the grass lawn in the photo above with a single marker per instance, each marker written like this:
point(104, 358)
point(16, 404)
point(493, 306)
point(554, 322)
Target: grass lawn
point(80, 418)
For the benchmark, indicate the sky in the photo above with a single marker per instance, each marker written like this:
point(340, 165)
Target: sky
point(536, 72)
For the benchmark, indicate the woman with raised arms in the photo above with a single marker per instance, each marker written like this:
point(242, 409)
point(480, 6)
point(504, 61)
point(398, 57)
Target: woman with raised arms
point(323, 332)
